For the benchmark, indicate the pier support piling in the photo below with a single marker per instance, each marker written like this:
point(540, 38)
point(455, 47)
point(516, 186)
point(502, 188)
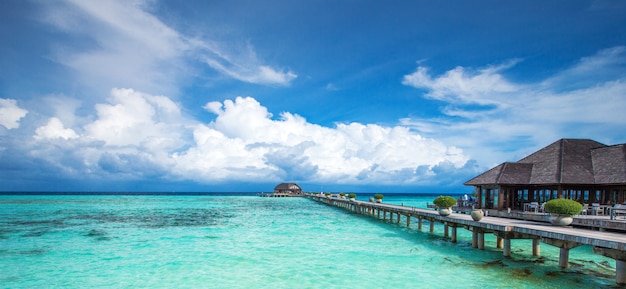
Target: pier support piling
point(481, 241)
point(474, 239)
point(506, 251)
point(536, 247)
point(563, 257)
point(453, 234)
point(565, 246)
point(620, 262)
point(620, 272)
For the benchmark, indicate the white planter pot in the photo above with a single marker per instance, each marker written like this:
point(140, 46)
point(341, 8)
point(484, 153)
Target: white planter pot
point(444, 211)
point(379, 200)
point(477, 214)
point(561, 220)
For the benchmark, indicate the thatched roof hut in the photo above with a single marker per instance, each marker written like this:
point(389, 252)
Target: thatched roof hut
point(287, 190)
point(580, 169)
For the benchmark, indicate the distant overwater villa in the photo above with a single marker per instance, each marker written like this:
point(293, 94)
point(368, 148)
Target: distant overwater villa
point(283, 190)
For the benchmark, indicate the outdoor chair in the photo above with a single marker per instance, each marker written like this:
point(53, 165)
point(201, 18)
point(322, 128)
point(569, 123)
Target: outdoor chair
point(534, 206)
point(596, 210)
point(618, 210)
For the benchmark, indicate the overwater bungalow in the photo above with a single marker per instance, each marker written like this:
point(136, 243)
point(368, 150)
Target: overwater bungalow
point(287, 190)
point(580, 169)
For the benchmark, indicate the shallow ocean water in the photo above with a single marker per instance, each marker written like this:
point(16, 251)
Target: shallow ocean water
point(251, 242)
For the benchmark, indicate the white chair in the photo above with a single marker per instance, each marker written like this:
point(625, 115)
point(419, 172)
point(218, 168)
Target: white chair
point(618, 210)
point(596, 210)
point(534, 206)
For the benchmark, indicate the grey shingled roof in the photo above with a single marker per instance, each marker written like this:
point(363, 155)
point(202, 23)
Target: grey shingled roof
point(285, 186)
point(566, 161)
point(609, 164)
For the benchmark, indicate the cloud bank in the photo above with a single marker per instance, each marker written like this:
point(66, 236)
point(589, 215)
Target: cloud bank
point(291, 148)
point(137, 135)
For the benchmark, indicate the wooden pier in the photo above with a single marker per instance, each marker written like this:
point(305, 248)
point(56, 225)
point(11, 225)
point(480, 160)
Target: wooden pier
point(607, 243)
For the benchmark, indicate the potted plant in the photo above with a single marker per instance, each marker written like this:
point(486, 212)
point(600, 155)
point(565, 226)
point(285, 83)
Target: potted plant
point(342, 195)
point(352, 197)
point(444, 204)
point(379, 198)
point(562, 211)
point(327, 194)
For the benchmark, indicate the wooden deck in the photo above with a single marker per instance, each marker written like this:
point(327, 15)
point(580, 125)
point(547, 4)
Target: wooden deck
point(611, 244)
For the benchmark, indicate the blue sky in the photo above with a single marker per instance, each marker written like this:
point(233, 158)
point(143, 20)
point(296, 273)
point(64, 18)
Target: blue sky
point(366, 96)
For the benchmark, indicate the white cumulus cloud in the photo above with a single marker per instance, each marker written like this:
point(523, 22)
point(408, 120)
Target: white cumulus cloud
point(131, 137)
point(244, 141)
point(133, 118)
point(54, 129)
point(10, 113)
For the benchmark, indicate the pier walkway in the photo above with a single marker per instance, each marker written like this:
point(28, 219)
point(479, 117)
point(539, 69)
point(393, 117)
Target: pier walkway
point(609, 244)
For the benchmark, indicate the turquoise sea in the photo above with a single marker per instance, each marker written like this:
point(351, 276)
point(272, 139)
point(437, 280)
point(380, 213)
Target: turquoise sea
point(244, 241)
